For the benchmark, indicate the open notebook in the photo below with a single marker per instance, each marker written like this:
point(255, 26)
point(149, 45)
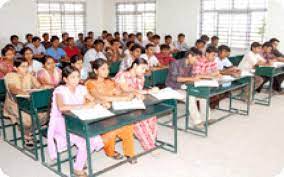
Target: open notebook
point(126, 105)
point(168, 93)
point(206, 83)
point(92, 113)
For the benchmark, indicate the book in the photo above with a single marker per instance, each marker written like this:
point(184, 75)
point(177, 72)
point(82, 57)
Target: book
point(206, 83)
point(128, 105)
point(168, 93)
point(97, 112)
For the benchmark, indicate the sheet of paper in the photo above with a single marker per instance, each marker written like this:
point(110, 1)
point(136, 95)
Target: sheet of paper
point(246, 73)
point(168, 93)
point(92, 113)
point(23, 96)
point(226, 78)
point(278, 64)
point(127, 105)
point(206, 83)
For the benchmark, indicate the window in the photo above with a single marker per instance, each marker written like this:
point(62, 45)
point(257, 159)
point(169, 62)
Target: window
point(136, 16)
point(55, 17)
point(236, 22)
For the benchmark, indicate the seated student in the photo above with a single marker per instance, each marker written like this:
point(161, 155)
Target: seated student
point(18, 46)
point(71, 49)
point(250, 61)
point(132, 37)
point(91, 35)
point(118, 38)
point(54, 51)
point(29, 38)
point(128, 46)
point(6, 62)
point(103, 35)
point(224, 64)
point(139, 39)
point(107, 40)
point(114, 53)
point(169, 41)
point(64, 42)
point(135, 52)
point(88, 44)
point(69, 96)
point(214, 42)
point(124, 38)
point(132, 81)
point(37, 48)
point(150, 57)
point(156, 42)
point(34, 65)
point(149, 35)
point(105, 89)
point(93, 54)
point(200, 45)
point(180, 44)
point(21, 82)
point(77, 62)
point(204, 38)
point(275, 51)
point(49, 75)
point(164, 56)
point(45, 42)
point(80, 42)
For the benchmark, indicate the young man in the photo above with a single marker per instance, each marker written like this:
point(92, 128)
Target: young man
point(46, 43)
point(139, 39)
point(55, 51)
point(16, 44)
point(223, 63)
point(131, 37)
point(169, 41)
point(156, 42)
point(93, 54)
point(200, 45)
point(149, 38)
point(124, 38)
point(135, 52)
point(29, 38)
point(88, 44)
point(114, 53)
point(204, 38)
point(37, 48)
point(64, 42)
point(164, 56)
point(180, 44)
point(275, 42)
point(150, 57)
point(117, 37)
point(80, 41)
point(91, 35)
point(214, 41)
point(71, 49)
point(107, 40)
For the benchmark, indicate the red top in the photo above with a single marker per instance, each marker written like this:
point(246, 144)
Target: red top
point(71, 51)
point(165, 59)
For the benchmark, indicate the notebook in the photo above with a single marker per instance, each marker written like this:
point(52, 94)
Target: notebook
point(278, 64)
point(92, 113)
point(127, 105)
point(206, 83)
point(226, 78)
point(168, 93)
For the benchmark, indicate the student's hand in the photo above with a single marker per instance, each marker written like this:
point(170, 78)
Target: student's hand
point(154, 90)
point(140, 96)
point(107, 105)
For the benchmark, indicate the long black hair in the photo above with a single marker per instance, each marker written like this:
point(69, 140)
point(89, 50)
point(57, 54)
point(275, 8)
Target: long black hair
point(96, 65)
point(67, 71)
point(138, 61)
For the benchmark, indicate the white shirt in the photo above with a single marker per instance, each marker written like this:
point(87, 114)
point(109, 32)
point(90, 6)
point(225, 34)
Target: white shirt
point(38, 50)
point(152, 61)
point(249, 61)
point(224, 63)
point(181, 46)
point(91, 55)
point(145, 42)
point(36, 66)
point(157, 49)
point(126, 63)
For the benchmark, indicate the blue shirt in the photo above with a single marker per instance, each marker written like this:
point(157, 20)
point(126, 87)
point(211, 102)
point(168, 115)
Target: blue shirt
point(57, 54)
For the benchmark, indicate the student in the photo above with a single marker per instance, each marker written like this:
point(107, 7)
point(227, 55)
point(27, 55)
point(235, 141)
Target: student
point(64, 42)
point(132, 81)
point(169, 41)
point(180, 44)
point(34, 65)
point(128, 46)
point(76, 61)
point(250, 61)
point(131, 37)
point(93, 54)
point(139, 39)
point(150, 57)
point(204, 38)
point(80, 42)
point(149, 38)
point(69, 96)
point(104, 35)
point(164, 56)
point(21, 82)
point(156, 42)
point(124, 38)
point(16, 44)
point(214, 42)
point(135, 53)
point(91, 35)
point(29, 38)
point(37, 48)
point(107, 40)
point(49, 75)
point(117, 37)
point(6, 62)
point(71, 49)
point(45, 42)
point(54, 51)
point(105, 89)
point(224, 64)
point(88, 44)
point(114, 53)
point(275, 42)
point(200, 45)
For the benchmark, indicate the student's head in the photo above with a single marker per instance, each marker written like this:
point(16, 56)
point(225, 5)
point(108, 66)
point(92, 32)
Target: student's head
point(45, 36)
point(104, 34)
point(21, 65)
point(205, 38)
point(156, 39)
point(29, 37)
point(129, 44)
point(200, 44)
point(48, 63)
point(165, 49)
point(27, 53)
point(117, 35)
point(135, 51)
point(125, 36)
point(181, 37)
point(55, 41)
point(70, 41)
point(65, 36)
point(267, 47)
point(139, 66)
point(139, 36)
point(223, 51)
point(91, 34)
point(192, 55)
point(89, 42)
point(100, 68)
point(149, 35)
point(81, 36)
point(14, 39)
point(168, 39)
point(255, 47)
point(99, 45)
point(210, 53)
point(115, 44)
point(8, 52)
point(215, 40)
point(76, 62)
point(150, 49)
point(274, 42)
point(131, 37)
point(71, 76)
point(36, 41)
point(109, 37)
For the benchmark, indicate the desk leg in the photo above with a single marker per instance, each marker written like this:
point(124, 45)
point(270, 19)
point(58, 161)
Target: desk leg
point(69, 154)
point(270, 90)
point(249, 96)
point(175, 128)
point(230, 103)
point(207, 113)
point(187, 111)
point(89, 156)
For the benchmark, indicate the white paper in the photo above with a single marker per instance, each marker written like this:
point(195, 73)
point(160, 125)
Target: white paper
point(278, 64)
point(246, 73)
point(168, 93)
point(227, 78)
point(206, 83)
point(92, 113)
point(126, 105)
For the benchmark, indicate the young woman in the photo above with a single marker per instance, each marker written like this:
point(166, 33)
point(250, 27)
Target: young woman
point(105, 90)
point(132, 81)
point(49, 75)
point(77, 62)
point(67, 97)
point(6, 62)
point(34, 65)
point(21, 82)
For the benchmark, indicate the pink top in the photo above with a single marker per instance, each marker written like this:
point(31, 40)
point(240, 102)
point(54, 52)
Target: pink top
point(54, 79)
point(133, 82)
point(5, 65)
